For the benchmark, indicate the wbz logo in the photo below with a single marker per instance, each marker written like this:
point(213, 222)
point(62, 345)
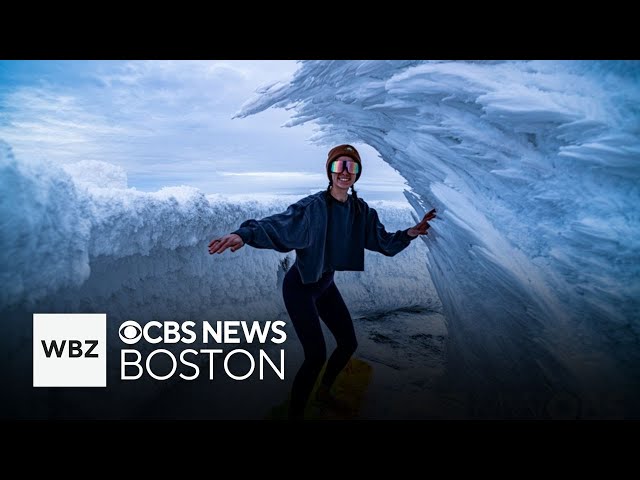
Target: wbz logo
point(69, 350)
point(75, 348)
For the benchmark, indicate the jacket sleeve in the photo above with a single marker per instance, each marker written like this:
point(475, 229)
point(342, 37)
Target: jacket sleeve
point(379, 240)
point(283, 232)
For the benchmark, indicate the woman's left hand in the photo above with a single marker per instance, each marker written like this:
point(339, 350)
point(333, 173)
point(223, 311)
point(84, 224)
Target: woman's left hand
point(422, 227)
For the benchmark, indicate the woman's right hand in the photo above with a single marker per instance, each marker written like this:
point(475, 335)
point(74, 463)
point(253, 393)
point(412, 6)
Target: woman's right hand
point(219, 245)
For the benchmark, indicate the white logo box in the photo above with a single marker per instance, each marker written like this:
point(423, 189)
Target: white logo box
point(76, 343)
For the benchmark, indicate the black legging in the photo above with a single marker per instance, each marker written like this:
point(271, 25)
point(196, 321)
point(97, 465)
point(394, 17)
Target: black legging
point(306, 304)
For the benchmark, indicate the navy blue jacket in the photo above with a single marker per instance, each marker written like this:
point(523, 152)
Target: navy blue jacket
point(303, 228)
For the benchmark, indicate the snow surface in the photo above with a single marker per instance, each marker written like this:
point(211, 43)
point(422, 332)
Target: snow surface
point(534, 168)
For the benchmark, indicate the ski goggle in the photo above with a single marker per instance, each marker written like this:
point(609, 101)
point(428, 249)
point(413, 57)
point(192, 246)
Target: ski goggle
point(338, 166)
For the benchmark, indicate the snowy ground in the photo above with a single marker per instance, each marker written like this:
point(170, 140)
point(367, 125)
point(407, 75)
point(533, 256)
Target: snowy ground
point(407, 349)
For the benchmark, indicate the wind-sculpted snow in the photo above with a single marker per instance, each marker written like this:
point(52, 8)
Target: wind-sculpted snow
point(88, 243)
point(534, 168)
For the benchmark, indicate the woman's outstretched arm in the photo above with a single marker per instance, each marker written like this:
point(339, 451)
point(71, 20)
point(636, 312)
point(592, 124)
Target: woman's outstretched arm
point(282, 232)
point(390, 244)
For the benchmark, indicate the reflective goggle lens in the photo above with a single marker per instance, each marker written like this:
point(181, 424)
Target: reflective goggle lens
point(338, 167)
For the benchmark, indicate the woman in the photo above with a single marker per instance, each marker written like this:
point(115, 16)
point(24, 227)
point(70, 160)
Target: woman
point(329, 231)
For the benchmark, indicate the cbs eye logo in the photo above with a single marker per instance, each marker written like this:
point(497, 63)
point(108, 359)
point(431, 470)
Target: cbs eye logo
point(130, 332)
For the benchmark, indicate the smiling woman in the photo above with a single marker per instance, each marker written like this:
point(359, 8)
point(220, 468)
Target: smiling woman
point(330, 231)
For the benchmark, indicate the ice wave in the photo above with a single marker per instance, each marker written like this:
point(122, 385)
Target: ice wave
point(534, 168)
